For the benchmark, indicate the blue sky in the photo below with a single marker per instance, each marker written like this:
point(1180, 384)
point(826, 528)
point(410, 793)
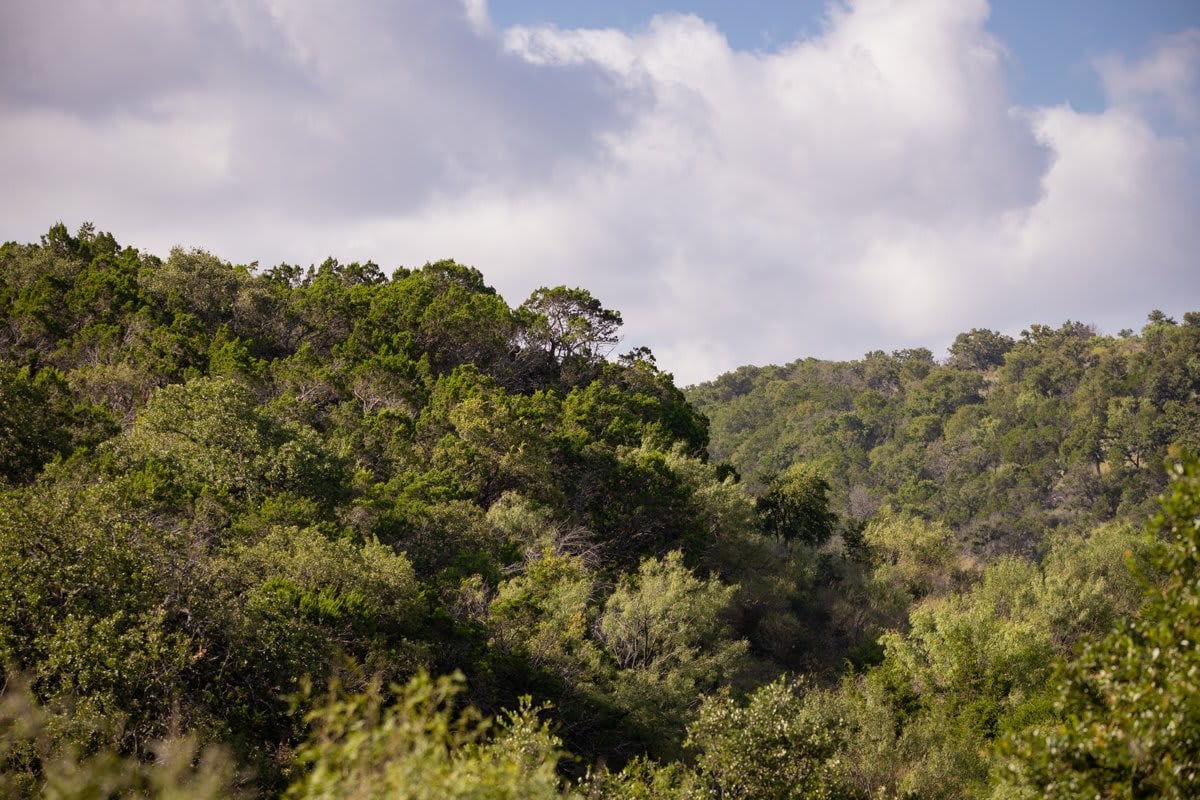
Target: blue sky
point(756, 183)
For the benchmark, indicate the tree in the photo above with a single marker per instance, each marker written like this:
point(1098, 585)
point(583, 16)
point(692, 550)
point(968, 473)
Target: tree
point(796, 506)
point(198, 283)
point(296, 603)
point(457, 318)
point(911, 558)
point(781, 744)
point(93, 611)
point(666, 630)
point(413, 745)
point(1128, 708)
point(979, 349)
point(568, 324)
point(34, 764)
point(34, 415)
point(544, 615)
point(210, 434)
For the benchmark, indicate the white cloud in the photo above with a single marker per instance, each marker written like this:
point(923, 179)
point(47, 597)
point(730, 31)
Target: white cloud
point(476, 12)
point(872, 186)
point(1169, 77)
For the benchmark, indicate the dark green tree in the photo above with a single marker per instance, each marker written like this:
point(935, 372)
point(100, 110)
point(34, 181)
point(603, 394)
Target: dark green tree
point(979, 349)
point(795, 506)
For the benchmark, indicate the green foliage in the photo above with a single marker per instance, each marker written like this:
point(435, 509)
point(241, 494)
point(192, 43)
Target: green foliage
point(34, 764)
point(1126, 710)
point(90, 610)
point(666, 629)
point(305, 600)
point(643, 779)
point(490, 440)
point(972, 660)
point(1091, 582)
point(973, 664)
point(637, 503)
point(664, 616)
point(796, 506)
point(569, 325)
point(1007, 440)
point(38, 421)
point(210, 433)
point(911, 558)
point(220, 485)
point(545, 615)
point(413, 745)
point(979, 349)
point(783, 743)
point(451, 315)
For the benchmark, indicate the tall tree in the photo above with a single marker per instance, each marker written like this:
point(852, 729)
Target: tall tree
point(569, 323)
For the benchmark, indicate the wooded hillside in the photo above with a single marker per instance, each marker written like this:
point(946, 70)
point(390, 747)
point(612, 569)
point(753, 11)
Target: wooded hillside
point(330, 532)
point(1003, 440)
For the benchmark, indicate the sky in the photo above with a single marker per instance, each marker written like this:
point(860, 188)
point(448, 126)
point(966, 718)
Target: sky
point(749, 182)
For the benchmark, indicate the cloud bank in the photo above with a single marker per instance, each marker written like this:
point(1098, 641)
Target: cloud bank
point(872, 186)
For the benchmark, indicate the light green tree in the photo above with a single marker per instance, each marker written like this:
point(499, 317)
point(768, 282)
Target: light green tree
point(666, 630)
point(781, 744)
point(36, 763)
point(545, 614)
point(1127, 709)
point(411, 744)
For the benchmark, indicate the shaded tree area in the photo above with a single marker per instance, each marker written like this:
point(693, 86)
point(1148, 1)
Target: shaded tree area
point(248, 516)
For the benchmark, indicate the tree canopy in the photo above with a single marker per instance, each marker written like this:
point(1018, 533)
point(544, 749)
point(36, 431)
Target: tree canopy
point(328, 531)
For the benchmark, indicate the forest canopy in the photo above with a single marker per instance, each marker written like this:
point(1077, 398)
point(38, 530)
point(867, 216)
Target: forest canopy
point(331, 532)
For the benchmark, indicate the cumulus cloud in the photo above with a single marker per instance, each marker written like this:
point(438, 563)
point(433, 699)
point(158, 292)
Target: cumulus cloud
point(870, 186)
point(201, 122)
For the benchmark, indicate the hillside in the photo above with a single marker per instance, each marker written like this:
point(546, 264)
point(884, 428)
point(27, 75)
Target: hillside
point(331, 532)
point(1004, 440)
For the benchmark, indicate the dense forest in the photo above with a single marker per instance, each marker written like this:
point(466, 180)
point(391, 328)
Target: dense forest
point(327, 532)
point(1003, 441)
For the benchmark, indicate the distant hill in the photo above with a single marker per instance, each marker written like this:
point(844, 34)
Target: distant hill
point(1003, 440)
